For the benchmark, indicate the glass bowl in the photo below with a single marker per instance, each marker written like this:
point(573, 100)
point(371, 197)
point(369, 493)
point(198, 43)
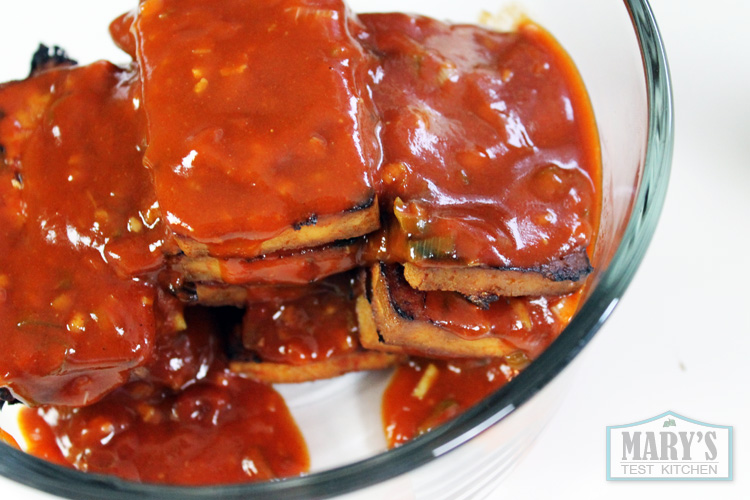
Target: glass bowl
point(618, 50)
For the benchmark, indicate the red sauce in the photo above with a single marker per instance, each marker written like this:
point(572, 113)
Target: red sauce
point(528, 323)
point(420, 398)
point(319, 325)
point(298, 267)
point(39, 437)
point(490, 150)
point(268, 135)
point(238, 121)
point(189, 421)
point(121, 33)
point(8, 439)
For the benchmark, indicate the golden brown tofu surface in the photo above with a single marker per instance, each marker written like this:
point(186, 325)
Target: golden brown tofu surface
point(559, 277)
point(446, 324)
point(281, 373)
point(312, 232)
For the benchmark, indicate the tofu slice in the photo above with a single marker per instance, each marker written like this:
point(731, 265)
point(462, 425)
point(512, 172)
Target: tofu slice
point(446, 324)
point(73, 322)
point(491, 157)
point(562, 276)
point(220, 294)
point(291, 267)
point(311, 333)
point(312, 232)
point(259, 160)
point(280, 373)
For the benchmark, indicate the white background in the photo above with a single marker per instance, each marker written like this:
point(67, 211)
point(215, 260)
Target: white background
point(680, 339)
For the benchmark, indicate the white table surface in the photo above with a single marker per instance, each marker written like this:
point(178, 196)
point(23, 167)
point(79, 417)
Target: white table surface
point(680, 338)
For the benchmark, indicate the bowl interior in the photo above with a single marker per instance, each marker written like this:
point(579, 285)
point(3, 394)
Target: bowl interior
point(621, 61)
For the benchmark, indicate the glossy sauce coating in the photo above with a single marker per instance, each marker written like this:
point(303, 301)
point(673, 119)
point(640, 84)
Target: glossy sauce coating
point(75, 211)
point(269, 135)
point(316, 326)
point(300, 267)
point(488, 158)
point(39, 437)
point(490, 149)
point(188, 421)
point(423, 393)
point(8, 439)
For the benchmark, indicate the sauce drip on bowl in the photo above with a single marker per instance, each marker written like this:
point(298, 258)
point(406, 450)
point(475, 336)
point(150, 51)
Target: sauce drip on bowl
point(426, 393)
point(187, 421)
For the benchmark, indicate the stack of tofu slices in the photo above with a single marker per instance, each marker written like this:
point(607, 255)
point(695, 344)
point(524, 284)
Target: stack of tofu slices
point(366, 187)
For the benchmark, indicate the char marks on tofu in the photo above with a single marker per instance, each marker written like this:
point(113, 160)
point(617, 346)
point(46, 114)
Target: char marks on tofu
point(49, 57)
point(561, 276)
point(490, 154)
point(6, 397)
point(446, 324)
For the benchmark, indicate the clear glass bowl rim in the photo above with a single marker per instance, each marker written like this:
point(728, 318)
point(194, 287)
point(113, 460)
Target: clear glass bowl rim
point(614, 280)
